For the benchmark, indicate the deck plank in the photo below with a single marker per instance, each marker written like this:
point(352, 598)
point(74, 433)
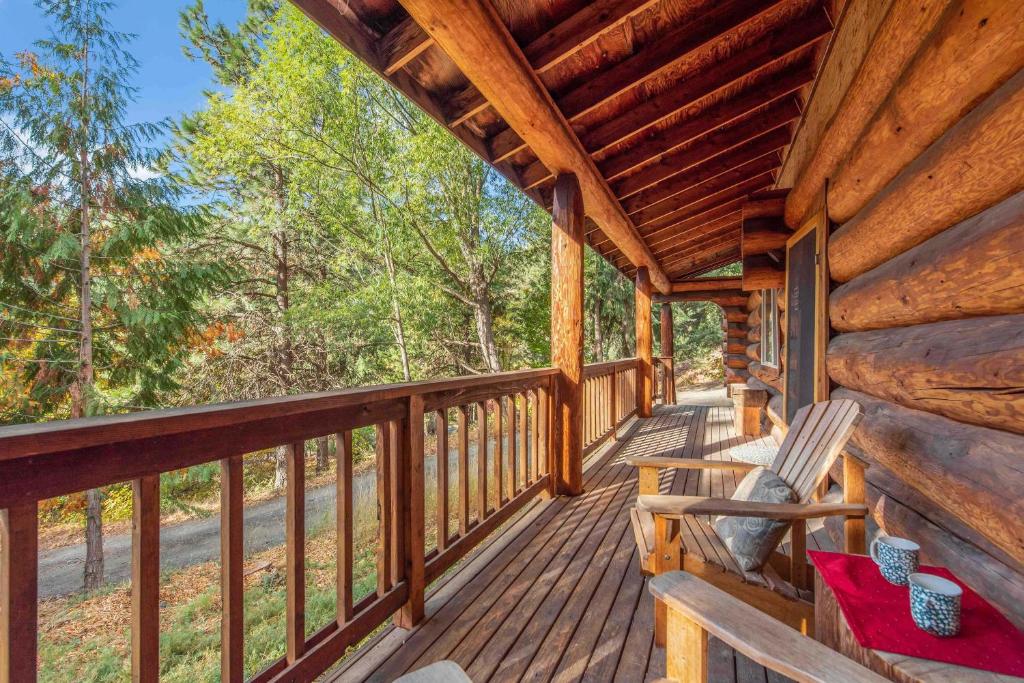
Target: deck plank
point(558, 596)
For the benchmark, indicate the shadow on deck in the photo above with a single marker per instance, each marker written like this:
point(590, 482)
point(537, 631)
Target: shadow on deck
point(558, 595)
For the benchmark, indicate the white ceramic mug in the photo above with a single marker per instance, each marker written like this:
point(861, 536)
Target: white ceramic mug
point(897, 558)
point(935, 604)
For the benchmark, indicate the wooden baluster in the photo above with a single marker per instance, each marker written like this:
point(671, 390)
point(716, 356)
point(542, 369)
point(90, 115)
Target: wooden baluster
point(414, 536)
point(441, 427)
point(146, 579)
point(481, 461)
point(544, 452)
point(345, 523)
point(384, 536)
point(232, 590)
point(535, 437)
point(498, 464)
point(510, 474)
point(399, 473)
point(524, 444)
point(295, 552)
point(613, 399)
point(463, 417)
point(19, 598)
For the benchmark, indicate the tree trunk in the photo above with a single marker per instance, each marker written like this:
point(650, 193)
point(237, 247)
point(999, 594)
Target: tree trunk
point(93, 578)
point(398, 324)
point(282, 333)
point(484, 318)
point(598, 332)
point(321, 455)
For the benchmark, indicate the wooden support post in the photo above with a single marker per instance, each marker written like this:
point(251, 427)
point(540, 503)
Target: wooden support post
point(146, 579)
point(853, 492)
point(686, 652)
point(644, 333)
point(567, 333)
point(19, 596)
point(668, 350)
point(345, 523)
point(414, 536)
point(295, 552)
point(232, 589)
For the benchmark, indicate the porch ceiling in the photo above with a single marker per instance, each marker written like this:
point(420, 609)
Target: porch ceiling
point(678, 109)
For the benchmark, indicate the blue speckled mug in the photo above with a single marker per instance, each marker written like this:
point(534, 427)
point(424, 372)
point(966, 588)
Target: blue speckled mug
point(935, 604)
point(897, 558)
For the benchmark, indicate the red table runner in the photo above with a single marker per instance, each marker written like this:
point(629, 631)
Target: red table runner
point(879, 616)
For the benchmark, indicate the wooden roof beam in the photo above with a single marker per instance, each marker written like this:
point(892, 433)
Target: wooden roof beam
point(402, 44)
point(472, 34)
point(554, 47)
point(707, 284)
point(775, 46)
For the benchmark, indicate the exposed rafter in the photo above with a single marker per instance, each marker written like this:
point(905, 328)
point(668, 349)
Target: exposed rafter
point(473, 36)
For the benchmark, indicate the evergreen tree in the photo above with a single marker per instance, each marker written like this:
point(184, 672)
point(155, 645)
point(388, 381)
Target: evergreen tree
point(98, 288)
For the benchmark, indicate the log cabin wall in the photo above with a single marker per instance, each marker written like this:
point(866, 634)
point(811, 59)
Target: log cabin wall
point(916, 127)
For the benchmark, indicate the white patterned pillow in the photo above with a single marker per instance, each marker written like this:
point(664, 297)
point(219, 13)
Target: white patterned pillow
point(751, 540)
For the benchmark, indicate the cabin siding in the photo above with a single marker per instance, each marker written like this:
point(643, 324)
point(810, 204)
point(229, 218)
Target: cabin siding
point(927, 328)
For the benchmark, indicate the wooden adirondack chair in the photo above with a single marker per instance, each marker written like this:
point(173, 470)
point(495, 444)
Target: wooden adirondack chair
point(675, 532)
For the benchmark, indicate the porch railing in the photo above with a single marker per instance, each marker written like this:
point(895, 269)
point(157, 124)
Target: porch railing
point(506, 416)
point(664, 379)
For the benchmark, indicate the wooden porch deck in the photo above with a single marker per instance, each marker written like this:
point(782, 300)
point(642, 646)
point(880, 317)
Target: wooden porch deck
point(559, 595)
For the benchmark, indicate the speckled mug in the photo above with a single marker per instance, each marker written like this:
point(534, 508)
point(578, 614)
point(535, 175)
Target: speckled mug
point(935, 604)
point(897, 558)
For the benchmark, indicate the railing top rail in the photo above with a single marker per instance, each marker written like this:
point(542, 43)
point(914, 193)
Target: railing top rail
point(62, 436)
point(597, 369)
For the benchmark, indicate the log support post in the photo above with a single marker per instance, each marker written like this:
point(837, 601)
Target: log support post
point(668, 350)
point(567, 334)
point(19, 599)
point(644, 381)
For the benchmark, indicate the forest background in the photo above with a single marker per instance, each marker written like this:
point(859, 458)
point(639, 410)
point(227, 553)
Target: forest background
point(306, 229)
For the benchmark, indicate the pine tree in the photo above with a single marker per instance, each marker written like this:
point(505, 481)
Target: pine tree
point(98, 289)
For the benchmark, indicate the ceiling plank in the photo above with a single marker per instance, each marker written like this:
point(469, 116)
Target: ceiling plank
point(402, 44)
point(713, 263)
point(472, 34)
point(684, 227)
point(736, 194)
point(555, 46)
point(723, 114)
point(725, 234)
point(673, 164)
point(686, 239)
point(754, 148)
point(763, 55)
point(649, 62)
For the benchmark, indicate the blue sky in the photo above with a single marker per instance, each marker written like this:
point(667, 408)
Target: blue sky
point(169, 83)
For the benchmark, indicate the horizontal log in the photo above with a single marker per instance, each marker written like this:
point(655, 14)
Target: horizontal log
point(737, 361)
point(754, 318)
point(736, 315)
point(774, 412)
point(970, 54)
point(972, 472)
point(723, 299)
point(735, 376)
point(754, 334)
point(763, 234)
point(763, 272)
point(754, 383)
point(734, 347)
point(899, 36)
point(753, 352)
point(975, 268)
point(977, 163)
point(969, 370)
point(765, 203)
point(754, 301)
point(767, 375)
point(706, 284)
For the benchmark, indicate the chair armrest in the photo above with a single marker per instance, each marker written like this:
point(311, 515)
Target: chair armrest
point(688, 463)
point(696, 609)
point(676, 506)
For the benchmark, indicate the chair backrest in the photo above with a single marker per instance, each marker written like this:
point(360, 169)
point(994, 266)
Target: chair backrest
point(814, 441)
